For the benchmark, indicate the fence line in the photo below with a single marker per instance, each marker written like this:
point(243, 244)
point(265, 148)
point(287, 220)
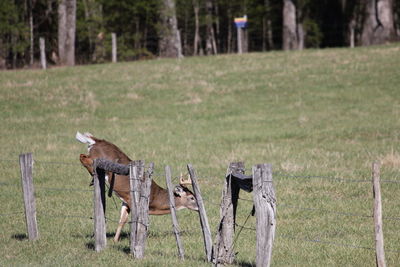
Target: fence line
point(333, 178)
point(330, 211)
point(12, 213)
point(317, 240)
point(243, 199)
point(49, 188)
point(218, 204)
point(43, 162)
point(280, 205)
point(276, 174)
point(279, 174)
point(333, 243)
point(340, 213)
point(327, 211)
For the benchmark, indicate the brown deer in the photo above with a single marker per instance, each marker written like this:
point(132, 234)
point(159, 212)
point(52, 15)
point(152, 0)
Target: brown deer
point(159, 201)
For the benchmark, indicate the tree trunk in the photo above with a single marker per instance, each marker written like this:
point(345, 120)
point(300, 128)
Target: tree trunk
point(88, 25)
point(66, 32)
point(137, 36)
point(211, 46)
point(378, 26)
point(14, 42)
point(185, 47)
point(300, 30)
point(217, 28)
point(289, 37)
point(94, 22)
point(146, 30)
point(197, 38)
point(169, 43)
point(30, 6)
point(2, 55)
point(230, 34)
point(352, 12)
point(264, 33)
point(397, 19)
point(268, 42)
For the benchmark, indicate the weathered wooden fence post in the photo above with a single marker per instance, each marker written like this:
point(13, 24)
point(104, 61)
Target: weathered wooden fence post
point(134, 192)
point(175, 224)
point(114, 47)
point(265, 209)
point(26, 166)
point(378, 225)
point(223, 250)
point(202, 214)
point(99, 208)
point(42, 53)
point(140, 214)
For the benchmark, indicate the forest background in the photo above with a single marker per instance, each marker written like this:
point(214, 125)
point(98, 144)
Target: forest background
point(79, 31)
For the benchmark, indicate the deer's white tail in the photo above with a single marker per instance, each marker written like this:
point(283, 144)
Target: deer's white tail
point(85, 138)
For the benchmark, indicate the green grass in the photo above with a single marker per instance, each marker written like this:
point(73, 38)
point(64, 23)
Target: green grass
point(318, 113)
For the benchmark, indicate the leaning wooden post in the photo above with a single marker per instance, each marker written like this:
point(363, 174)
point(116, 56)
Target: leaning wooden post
point(202, 214)
point(175, 224)
point(42, 53)
point(379, 248)
point(26, 166)
point(99, 208)
point(265, 208)
point(223, 250)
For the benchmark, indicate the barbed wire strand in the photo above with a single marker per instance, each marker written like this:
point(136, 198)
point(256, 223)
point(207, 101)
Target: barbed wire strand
point(218, 204)
point(12, 213)
point(330, 211)
point(318, 240)
point(238, 234)
point(276, 174)
point(279, 174)
point(332, 243)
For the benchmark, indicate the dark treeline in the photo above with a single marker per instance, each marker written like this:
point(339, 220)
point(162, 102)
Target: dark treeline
point(79, 31)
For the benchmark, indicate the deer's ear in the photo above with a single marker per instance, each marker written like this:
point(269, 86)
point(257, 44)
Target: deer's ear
point(85, 159)
point(179, 191)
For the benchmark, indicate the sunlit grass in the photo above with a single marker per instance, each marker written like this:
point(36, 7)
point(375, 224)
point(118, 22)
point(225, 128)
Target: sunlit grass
point(315, 115)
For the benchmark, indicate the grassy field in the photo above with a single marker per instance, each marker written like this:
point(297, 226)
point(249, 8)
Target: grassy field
point(315, 115)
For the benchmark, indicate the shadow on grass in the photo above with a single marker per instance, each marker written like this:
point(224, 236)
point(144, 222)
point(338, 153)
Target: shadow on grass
point(123, 235)
point(19, 237)
point(126, 235)
point(245, 264)
point(90, 245)
point(151, 234)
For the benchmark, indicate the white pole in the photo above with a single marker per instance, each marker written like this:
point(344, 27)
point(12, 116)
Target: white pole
point(42, 53)
point(114, 47)
point(239, 40)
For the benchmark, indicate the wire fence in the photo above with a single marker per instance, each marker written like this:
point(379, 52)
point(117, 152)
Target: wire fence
point(276, 174)
point(313, 240)
point(240, 227)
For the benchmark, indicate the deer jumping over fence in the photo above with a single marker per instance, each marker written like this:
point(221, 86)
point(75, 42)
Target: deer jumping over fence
point(159, 201)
